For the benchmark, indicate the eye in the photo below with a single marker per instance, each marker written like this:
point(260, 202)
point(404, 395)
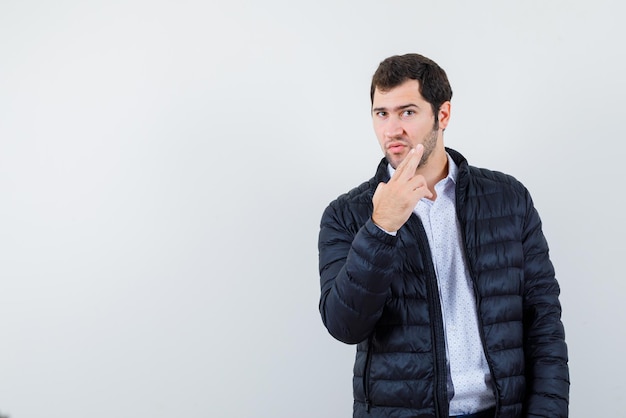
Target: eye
point(381, 114)
point(408, 113)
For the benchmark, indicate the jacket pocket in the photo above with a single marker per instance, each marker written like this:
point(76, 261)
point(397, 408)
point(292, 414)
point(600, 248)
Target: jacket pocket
point(366, 374)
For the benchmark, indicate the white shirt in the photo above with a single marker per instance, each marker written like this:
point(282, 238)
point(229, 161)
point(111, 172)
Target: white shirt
point(469, 379)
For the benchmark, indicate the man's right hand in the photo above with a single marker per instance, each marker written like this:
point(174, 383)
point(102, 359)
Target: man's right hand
point(395, 200)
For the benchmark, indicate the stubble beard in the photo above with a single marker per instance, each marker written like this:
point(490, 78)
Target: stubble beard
point(429, 142)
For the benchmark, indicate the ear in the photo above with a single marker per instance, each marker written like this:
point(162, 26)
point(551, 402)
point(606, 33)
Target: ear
point(444, 115)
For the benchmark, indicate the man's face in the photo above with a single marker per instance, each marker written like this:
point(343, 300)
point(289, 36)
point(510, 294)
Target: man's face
point(402, 119)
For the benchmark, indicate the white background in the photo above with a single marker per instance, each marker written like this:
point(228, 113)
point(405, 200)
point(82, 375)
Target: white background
point(164, 166)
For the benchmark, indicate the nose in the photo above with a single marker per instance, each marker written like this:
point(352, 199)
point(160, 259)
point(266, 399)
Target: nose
point(393, 128)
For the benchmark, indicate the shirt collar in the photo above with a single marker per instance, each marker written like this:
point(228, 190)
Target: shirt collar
point(453, 169)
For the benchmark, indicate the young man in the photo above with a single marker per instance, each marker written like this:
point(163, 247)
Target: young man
point(439, 272)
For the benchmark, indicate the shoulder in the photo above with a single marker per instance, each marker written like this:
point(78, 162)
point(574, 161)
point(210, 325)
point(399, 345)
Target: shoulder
point(487, 193)
point(482, 180)
point(351, 209)
point(361, 194)
point(493, 180)
point(494, 192)
point(355, 206)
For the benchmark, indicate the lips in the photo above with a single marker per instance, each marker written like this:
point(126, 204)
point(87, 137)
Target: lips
point(396, 147)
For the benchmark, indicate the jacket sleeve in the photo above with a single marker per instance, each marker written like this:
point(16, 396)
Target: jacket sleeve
point(547, 375)
point(356, 267)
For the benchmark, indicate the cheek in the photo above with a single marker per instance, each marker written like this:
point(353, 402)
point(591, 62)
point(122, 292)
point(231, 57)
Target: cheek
point(418, 132)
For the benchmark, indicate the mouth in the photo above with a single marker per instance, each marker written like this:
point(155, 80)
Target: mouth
point(396, 147)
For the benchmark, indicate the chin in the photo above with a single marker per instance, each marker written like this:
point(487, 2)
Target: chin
point(395, 161)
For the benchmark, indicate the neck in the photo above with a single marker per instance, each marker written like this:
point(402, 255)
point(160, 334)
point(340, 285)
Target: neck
point(435, 171)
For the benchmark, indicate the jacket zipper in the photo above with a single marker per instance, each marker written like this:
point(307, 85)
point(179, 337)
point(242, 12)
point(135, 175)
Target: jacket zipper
point(481, 330)
point(366, 374)
point(440, 395)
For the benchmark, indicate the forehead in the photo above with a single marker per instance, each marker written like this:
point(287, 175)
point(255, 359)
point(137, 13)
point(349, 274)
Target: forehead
point(406, 93)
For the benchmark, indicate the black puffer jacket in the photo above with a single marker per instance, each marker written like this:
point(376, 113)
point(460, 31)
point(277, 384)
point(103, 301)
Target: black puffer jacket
point(380, 292)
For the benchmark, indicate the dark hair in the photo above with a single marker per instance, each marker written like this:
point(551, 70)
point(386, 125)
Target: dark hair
point(433, 81)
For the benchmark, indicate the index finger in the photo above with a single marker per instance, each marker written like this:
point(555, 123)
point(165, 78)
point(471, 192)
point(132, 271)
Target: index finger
point(406, 169)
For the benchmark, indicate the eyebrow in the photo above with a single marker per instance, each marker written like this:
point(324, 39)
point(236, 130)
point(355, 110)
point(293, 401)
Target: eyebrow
point(403, 107)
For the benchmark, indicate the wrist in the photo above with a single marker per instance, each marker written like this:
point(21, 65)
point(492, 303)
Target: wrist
point(385, 229)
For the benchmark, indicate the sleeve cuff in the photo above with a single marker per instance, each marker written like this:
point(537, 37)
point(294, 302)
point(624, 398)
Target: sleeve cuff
point(393, 234)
